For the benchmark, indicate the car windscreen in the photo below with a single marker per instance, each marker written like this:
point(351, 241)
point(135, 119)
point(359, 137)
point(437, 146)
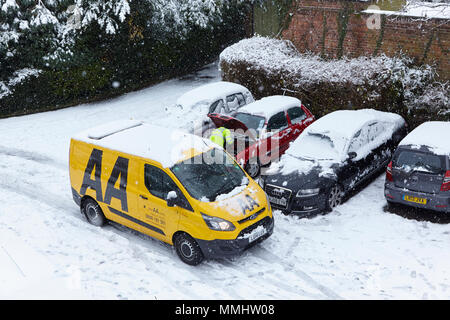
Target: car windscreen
point(411, 160)
point(314, 146)
point(251, 121)
point(209, 175)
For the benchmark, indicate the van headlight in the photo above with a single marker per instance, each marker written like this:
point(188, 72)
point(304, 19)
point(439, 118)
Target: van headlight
point(218, 224)
point(308, 192)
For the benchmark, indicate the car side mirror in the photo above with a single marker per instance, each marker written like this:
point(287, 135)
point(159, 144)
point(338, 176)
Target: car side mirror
point(352, 155)
point(172, 199)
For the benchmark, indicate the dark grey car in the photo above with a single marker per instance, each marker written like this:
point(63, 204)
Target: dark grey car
point(419, 174)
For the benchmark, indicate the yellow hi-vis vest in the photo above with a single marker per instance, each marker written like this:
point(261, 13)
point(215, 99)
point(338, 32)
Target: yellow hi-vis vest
point(219, 135)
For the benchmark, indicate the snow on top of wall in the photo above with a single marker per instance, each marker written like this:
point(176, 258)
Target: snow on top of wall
point(418, 10)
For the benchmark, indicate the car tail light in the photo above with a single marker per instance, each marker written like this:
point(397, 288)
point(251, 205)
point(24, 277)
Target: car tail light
point(389, 172)
point(446, 183)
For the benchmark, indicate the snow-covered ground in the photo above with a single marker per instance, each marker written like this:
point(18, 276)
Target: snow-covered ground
point(48, 250)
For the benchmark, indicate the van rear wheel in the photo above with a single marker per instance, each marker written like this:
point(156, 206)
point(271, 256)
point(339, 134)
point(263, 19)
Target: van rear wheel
point(94, 214)
point(188, 250)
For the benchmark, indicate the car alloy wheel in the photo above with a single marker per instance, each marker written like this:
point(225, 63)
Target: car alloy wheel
point(335, 197)
point(253, 168)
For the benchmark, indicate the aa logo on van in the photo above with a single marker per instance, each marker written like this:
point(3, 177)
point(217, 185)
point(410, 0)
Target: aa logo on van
point(248, 203)
point(120, 171)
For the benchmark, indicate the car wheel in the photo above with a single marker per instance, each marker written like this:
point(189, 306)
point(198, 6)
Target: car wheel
point(253, 168)
point(334, 197)
point(94, 214)
point(188, 250)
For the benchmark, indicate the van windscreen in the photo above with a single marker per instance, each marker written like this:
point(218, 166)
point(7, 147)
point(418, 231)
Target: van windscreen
point(209, 175)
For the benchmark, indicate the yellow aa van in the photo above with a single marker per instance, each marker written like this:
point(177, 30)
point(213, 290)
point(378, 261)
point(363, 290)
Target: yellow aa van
point(176, 187)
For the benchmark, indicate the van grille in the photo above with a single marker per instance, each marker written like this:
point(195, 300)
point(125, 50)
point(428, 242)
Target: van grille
point(253, 216)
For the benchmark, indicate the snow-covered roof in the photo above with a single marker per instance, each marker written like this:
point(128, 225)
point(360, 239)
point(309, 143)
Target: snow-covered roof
point(341, 126)
point(210, 92)
point(164, 145)
point(432, 134)
point(271, 105)
point(347, 122)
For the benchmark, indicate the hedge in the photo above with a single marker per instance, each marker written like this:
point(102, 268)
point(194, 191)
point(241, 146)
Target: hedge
point(101, 65)
point(273, 67)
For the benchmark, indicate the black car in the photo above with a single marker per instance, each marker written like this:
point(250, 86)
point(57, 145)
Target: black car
point(419, 174)
point(330, 158)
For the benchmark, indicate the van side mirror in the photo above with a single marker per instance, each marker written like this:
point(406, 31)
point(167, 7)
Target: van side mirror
point(352, 155)
point(172, 199)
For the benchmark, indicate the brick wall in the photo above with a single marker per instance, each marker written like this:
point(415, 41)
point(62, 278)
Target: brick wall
point(335, 28)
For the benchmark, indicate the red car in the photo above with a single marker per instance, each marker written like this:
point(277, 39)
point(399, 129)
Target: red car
point(263, 129)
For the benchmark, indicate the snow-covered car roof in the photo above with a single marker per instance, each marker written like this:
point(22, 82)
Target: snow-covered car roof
point(164, 145)
point(347, 122)
point(432, 134)
point(340, 126)
point(210, 92)
point(271, 105)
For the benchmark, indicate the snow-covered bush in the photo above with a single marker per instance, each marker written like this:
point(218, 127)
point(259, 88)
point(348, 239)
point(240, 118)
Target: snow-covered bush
point(270, 66)
point(78, 48)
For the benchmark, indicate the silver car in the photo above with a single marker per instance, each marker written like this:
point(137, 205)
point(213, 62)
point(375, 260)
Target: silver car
point(419, 173)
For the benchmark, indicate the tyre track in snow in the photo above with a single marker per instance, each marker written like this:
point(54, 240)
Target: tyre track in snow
point(19, 185)
point(22, 188)
point(272, 258)
point(202, 274)
point(32, 156)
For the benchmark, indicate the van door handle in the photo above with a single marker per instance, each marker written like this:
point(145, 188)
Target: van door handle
point(143, 197)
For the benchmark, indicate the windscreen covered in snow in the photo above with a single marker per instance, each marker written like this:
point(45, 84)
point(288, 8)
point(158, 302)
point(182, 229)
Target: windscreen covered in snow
point(340, 131)
point(433, 134)
point(329, 139)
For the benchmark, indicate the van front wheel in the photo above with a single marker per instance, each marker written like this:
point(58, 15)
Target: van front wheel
point(188, 250)
point(94, 214)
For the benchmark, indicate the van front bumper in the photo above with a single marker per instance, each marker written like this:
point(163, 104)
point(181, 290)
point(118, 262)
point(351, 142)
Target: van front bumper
point(226, 248)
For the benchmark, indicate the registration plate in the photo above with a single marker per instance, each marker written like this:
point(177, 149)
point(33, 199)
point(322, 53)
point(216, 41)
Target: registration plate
point(278, 201)
point(257, 233)
point(415, 199)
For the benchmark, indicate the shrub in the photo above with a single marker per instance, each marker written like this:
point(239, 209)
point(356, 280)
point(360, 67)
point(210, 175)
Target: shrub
point(60, 53)
point(270, 66)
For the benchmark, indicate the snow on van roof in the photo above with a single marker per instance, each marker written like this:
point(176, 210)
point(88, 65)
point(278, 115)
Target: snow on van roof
point(271, 105)
point(164, 145)
point(209, 93)
point(432, 134)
